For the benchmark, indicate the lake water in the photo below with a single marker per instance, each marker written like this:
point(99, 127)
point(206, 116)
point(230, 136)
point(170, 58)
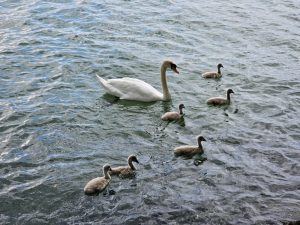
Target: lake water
point(58, 128)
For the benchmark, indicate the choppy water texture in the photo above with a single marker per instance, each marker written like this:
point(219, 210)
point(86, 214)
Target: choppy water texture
point(57, 126)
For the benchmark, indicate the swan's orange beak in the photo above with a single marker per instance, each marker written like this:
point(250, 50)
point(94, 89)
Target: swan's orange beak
point(175, 70)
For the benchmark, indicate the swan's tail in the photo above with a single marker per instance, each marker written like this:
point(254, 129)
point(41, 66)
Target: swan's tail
point(102, 81)
point(108, 87)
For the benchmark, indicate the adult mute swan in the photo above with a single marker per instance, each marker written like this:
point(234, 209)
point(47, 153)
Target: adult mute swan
point(214, 74)
point(98, 184)
point(138, 90)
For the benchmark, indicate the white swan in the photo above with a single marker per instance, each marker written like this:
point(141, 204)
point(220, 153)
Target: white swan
point(138, 90)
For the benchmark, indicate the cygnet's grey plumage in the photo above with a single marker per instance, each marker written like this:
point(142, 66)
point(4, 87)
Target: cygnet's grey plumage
point(170, 116)
point(190, 150)
point(217, 74)
point(125, 171)
point(220, 100)
point(98, 184)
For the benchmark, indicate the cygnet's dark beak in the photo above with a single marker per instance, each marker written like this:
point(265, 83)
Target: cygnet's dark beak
point(204, 139)
point(137, 161)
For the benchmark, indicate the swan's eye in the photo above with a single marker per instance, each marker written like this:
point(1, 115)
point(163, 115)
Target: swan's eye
point(173, 66)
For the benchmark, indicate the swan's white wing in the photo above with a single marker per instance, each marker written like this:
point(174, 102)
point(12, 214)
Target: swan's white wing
point(135, 89)
point(109, 88)
point(131, 89)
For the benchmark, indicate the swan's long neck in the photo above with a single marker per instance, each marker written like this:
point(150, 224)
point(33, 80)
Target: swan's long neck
point(219, 70)
point(166, 93)
point(131, 164)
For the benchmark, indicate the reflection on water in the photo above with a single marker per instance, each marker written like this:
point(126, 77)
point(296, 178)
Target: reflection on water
point(58, 127)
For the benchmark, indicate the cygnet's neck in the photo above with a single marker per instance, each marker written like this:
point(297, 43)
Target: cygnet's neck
point(219, 70)
point(165, 90)
point(180, 111)
point(199, 144)
point(131, 164)
point(106, 174)
point(228, 96)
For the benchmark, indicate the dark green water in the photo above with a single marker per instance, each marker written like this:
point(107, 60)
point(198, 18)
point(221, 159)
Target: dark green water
point(57, 126)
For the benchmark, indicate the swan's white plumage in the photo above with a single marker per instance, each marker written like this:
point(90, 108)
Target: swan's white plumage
point(138, 90)
point(131, 89)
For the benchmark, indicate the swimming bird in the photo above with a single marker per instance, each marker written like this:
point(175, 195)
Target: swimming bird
point(220, 100)
point(217, 74)
point(125, 171)
point(138, 90)
point(98, 184)
point(170, 116)
point(190, 150)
